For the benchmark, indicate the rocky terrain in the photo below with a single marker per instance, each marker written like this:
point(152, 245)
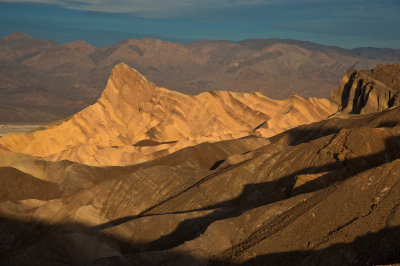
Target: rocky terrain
point(41, 81)
point(135, 121)
point(368, 91)
point(321, 193)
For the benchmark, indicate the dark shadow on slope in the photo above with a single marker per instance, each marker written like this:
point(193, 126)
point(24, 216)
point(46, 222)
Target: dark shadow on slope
point(310, 132)
point(39, 243)
point(393, 99)
point(388, 124)
point(360, 97)
point(34, 242)
point(307, 133)
point(380, 248)
point(150, 142)
point(216, 164)
point(259, 126)
point(346, 92)
point(256, 195)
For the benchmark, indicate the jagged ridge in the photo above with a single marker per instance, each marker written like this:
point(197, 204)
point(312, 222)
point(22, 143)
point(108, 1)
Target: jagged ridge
point(132, 109)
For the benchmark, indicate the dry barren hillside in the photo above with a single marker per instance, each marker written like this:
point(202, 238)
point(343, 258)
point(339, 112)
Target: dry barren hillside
point(325, 193)
point(368, 91)
point(37, 76)
point(135, 121)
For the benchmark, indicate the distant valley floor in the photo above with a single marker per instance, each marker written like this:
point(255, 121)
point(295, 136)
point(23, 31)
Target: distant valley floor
point(16, 128)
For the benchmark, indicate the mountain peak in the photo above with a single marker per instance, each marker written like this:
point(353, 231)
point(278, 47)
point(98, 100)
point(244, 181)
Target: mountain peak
point(123, 71)
point(127, 85)
point(122, 65)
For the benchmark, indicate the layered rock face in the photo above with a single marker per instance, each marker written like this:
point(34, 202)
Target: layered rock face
point(368, 91)
point(135, 121)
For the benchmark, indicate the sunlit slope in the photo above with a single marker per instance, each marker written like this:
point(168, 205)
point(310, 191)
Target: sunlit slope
point(131, 109)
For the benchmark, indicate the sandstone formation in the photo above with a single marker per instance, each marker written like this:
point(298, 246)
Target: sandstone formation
point(61, 77)
point(363, 92)
point(132, 112)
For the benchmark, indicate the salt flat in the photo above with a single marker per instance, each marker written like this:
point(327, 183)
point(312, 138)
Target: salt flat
point(19, 128)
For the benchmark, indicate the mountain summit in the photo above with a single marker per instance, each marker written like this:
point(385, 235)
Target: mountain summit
point(131, 109)
point(126, 88)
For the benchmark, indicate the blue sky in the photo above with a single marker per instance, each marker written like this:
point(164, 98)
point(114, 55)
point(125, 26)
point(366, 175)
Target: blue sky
point(346, 23)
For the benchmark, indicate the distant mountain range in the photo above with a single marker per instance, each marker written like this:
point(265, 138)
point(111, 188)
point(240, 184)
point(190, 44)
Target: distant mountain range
point(41, 80)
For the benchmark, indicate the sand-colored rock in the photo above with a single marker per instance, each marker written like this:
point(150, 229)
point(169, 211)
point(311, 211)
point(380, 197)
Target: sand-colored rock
point(368, 91)
point(132, 110)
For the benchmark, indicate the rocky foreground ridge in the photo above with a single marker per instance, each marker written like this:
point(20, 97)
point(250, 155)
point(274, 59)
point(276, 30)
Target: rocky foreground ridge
point(324, 193)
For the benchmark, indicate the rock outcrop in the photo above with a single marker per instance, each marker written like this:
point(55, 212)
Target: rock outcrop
point(368, 91)
point(132, 111)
